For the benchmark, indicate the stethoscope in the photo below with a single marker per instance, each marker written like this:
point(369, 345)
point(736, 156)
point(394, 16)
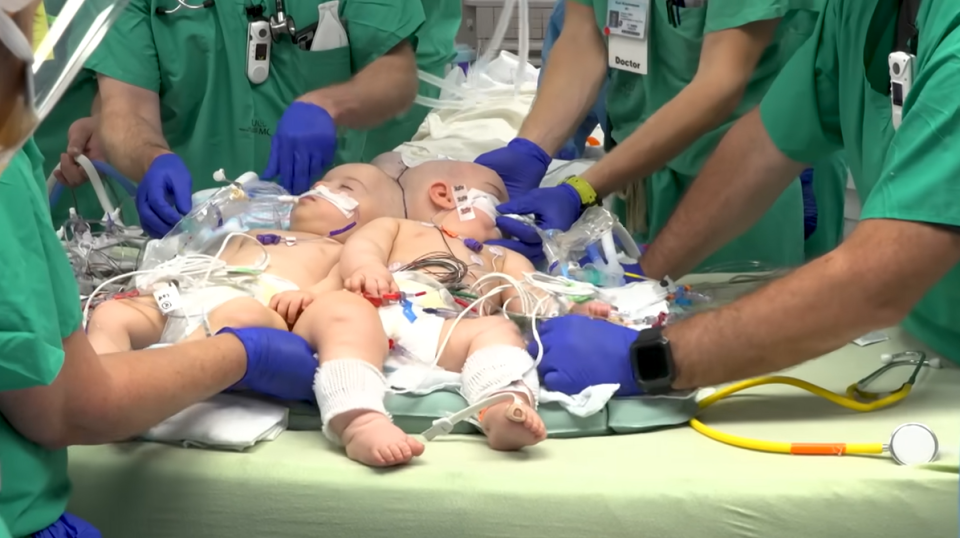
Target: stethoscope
point(909, 444)
point(280, 23)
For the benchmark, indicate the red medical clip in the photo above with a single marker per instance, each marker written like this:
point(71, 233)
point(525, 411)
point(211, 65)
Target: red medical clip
point(375, 301)
point(126, 294)
point(391, 343)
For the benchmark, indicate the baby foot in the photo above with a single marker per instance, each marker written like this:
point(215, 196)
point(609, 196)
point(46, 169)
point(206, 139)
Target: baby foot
point(512, 425)
point(372, 439)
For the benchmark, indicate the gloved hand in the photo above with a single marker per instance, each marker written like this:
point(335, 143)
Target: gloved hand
point(521, 165)
point(68, 526)
point(279, 363)
point(163, 196)
point(579, 352)
point(303, 146)
point(555, 208)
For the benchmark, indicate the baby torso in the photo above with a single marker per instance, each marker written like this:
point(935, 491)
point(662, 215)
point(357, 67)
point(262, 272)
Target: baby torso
point(416, 240)
point(301, 258)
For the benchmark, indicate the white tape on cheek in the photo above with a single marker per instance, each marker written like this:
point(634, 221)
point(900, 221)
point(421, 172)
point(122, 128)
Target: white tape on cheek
point(485, 202)
point(341, 201)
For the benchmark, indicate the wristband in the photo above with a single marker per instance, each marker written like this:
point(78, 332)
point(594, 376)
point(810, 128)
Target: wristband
point(588, 196)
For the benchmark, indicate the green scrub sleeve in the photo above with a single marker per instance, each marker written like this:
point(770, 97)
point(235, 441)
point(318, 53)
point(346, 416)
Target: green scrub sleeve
point(801, 110)
point(919, 178)
point(727, 14)
point(35, 272)
point(128, 52)
point(376, 26)
point(583, 2)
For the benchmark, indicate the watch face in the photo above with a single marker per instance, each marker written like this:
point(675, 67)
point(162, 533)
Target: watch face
point(653, 365)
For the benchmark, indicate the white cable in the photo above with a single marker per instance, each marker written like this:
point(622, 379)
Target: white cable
point(185, 267)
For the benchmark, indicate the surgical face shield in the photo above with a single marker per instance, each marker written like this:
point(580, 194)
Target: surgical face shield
point(34, 78)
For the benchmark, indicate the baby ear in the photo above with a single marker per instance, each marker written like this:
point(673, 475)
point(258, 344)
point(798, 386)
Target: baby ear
point(441, 195)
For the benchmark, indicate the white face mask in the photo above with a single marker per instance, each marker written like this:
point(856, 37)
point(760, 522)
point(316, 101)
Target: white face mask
point(341, 201)
point(484, 201)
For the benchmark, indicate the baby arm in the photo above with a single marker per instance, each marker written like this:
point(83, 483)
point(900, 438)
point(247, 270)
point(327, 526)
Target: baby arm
point(363, 262)
point(290, 304)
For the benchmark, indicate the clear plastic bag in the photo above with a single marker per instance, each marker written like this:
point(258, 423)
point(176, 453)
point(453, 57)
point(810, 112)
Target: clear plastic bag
point(588, 251)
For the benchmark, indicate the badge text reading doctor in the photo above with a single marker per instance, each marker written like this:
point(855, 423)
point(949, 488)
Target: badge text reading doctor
point(627, 34)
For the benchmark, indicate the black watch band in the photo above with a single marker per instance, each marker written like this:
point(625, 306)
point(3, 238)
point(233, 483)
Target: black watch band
point(652, 362)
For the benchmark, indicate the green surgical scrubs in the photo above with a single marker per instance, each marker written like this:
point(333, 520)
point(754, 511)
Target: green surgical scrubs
point(195, 59)
point(673, 59)
point(436, 48)
point(834, 94)
point(40, 305)
point(4, 531)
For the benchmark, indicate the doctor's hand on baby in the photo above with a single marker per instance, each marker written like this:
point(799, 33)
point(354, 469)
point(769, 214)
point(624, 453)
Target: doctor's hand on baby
point(81, 140)
point(280, 364)
point(554, 208)
point(290, 304)
point(521, 165)
point(373, 279)
point(164, 195)
point(579, 352)
point(303, 146)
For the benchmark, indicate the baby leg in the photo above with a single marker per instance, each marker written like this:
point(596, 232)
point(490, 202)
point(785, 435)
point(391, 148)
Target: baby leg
point(240, 313)
point(492, 359)
point(125, 325)
point(346, 330)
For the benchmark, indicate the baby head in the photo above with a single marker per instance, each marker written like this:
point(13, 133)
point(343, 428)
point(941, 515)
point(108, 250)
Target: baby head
point(345, 199)
point(458, 195)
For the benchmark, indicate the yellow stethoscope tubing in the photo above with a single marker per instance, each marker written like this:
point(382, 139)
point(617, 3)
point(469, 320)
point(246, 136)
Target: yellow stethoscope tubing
point(803, 448)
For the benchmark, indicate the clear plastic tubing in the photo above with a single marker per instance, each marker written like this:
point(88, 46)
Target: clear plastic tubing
point(498, 33)
point(523, 50)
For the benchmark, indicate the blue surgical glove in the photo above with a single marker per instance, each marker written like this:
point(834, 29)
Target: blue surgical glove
point(163, 196)
point(521, 165)
point(579, 352)
point(280, 364)
point(555, 208)
point(68, 526)
point(303, 146)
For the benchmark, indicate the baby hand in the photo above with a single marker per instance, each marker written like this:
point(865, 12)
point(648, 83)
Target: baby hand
point(374, 280)
point(290, 304)
point(594, 309)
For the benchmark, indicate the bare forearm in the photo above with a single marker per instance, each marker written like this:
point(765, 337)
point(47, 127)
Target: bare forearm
point(130, 141)
point(696, 110)
point(361, 256)
point(380, 91)
point(574, 75)
point(137, 390)
point(739, 182)
point(870, 282)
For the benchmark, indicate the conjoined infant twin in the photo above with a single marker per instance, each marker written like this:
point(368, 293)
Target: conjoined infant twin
point(366, 234)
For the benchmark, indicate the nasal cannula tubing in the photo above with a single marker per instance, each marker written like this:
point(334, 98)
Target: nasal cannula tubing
point(928, 442)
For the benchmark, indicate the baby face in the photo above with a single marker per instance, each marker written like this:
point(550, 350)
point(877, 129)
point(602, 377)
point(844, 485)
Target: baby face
point(348, 197)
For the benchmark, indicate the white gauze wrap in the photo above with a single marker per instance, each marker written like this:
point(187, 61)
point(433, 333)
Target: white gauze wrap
point(345, 385)
point(497, 369)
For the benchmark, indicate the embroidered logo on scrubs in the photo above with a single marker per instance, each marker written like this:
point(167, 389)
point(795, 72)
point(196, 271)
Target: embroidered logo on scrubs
point(258, 127)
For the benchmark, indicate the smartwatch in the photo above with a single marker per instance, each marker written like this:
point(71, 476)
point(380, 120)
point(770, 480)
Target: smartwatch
point(652, 362)
point(588, 196)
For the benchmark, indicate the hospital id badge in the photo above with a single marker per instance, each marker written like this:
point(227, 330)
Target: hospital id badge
point(168, 298)
point(627, 39)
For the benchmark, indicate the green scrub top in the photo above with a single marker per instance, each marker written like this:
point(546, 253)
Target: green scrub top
point(4, 531)
point(673, 59)
point(195, 59)
point(834, 94)
point(41, 306)
point(436, 48)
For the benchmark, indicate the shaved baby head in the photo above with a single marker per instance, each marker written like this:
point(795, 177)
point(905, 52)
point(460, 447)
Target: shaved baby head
point(422, 184)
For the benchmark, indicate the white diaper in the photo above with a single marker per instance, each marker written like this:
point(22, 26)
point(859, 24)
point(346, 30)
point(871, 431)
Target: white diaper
point(414, 332)
point(198, 303)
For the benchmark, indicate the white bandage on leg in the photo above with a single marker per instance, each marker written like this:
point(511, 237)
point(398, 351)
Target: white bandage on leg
point(498, 369)
point(345, 385)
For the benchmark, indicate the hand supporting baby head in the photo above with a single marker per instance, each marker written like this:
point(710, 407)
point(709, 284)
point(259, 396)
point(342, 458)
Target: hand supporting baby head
point(447, 193)
point(348, 197)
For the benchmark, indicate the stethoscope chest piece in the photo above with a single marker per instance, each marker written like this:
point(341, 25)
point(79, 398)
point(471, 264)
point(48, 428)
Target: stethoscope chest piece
point(913, 444)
